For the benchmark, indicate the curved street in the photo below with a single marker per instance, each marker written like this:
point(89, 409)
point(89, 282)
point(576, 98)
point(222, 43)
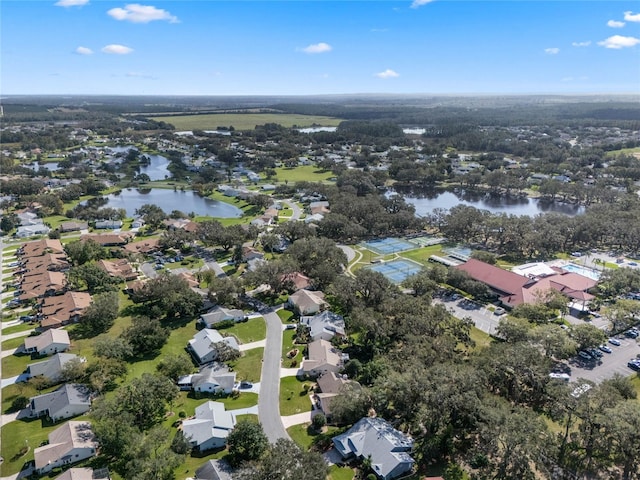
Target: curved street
point(269, 398)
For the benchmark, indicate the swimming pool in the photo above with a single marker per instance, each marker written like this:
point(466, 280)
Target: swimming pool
point(580, 270)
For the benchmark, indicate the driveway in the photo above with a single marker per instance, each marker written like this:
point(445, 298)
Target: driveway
point(252, 345)
point(269, 399)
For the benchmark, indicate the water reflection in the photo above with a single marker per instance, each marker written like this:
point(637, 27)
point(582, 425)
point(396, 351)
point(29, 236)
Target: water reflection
point(426, 200)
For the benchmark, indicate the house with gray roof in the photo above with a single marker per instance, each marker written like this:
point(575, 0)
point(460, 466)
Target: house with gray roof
point(205, 344)
point(323, 358)
point(213, 378)
point(214, 470)
point(220, 314)
point(51, 368)
point(210, 427)
point(374, 438)
point(70, 443)
point(52, 341)
point(67, 401)
point(324, 325)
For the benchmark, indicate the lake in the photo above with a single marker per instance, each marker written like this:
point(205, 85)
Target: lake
point(426, 201)
point(168, 200)
point(35, 166)
point(157, 169)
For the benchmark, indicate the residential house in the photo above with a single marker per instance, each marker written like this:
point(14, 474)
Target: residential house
point(28, 218)
point(63, 309)
point(68, 444)
point(45, 284)
point(108, 224)
point(52, 341)
point(55, 262)
point(205, 345)
point(331, 385)
point(250, 253)
point(323, 358)
point(108, 239)
point(143, 246)
point(190, 278)
point(85, 474)
point(210, 427)
point(324, 325)
point(73, 226)
point(214, 470)
point(120, 268)
point(51, 368)
point(315, 218)
point(32, 230)
point(70, 400)
point(297, 280)
point(40, 247)
point(220, 314)
point(213, 378)
point(375, 439)
point(307, 302)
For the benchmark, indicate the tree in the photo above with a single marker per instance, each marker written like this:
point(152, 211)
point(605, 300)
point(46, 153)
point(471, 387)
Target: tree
point(8, 222)
point(246, 442)
point(169, 295)
point(104, 374)
point(73, 371)
point(180, 444)
point(318, 421)
point(91, 276)
point(101, 314)
point(318, 258)
point(286, 461)
point(587, 336)
point(175, 366)
point(146, 336)
point(116, 348)
point(83, 251)
point(152, 215)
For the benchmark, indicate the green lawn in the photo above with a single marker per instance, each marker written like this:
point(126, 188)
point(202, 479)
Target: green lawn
point(304, 434)
point(15, 364)
point(287, 346)
point(421, 255)
point(481, 338)
point(249, 366)
point(341, 473)
point(250, 331)
point(293, 398)
point(22, 327)
point(285, 315)
point(308, 173)
point(244, 121)
point(12, 343)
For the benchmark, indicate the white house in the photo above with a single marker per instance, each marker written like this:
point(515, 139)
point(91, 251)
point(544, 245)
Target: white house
point(51, 368)
point(70, 400)
point(31, 230)
point(204, 344)
point(68, 444)
point(213, 378)
point(375, 439)
point(52, 341)
point(324, 325)
point(108, 224)
point(210, 427)
point(220, 314)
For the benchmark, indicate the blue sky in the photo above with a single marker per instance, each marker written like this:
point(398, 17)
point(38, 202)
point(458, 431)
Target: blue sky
point(237, 47)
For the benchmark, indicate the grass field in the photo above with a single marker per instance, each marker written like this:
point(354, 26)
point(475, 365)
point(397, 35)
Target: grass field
point(304, 173)
point(249, 366)
point(244, 121)
point(250, 331)
point(293, 398)
point(287, 346)
point(627, 151)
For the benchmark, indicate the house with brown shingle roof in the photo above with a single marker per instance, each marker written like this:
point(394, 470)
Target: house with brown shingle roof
point(120, 268)
point(63, 309)
point(49, 261)
point(40, 247)
point(143, 246)
point(323, 358)
point(44, 284)
point(307, 302)
point(108, 239)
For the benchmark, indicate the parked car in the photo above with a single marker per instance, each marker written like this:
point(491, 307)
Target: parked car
point(595, 353)
point(576, 254)
point(246, 384)
point(290, 326)
point(499, 311)
point(27, 318)
point(615, 341)
point(634, 364)
point(585, 355)
point(633, 333)
point(560, 376)
point(605, 349)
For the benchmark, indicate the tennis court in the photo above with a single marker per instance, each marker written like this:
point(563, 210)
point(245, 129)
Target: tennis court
point(426, 241)
point(386, 246)
point(397, 270)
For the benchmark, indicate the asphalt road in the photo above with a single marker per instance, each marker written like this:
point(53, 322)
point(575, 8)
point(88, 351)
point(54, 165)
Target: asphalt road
point(269, 398)
point(482, 317)
point(296, 210)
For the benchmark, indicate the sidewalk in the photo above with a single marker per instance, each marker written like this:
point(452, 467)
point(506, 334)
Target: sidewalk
point(252, 345)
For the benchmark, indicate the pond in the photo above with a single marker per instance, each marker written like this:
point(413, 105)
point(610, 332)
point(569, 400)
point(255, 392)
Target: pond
point(426, 200)
point(168, 200)
point(51, 166)
point(157, 167)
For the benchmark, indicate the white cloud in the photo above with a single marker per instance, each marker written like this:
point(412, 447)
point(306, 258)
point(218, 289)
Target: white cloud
point(632, 17)
point(117, 49)
point(615, 24)
point(317, 48)
point(552, 51)
point(136, 13)
point(419, 3)
point(581, 44)
point(84, 51)
point(388, 73)
point(71, 3)
point(618, 41)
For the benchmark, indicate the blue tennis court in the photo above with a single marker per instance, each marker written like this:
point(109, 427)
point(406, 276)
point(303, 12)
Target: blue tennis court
point(386, 246)
point(397, 270)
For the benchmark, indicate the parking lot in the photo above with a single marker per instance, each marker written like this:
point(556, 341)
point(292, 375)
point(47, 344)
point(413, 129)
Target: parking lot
point(608, 365)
